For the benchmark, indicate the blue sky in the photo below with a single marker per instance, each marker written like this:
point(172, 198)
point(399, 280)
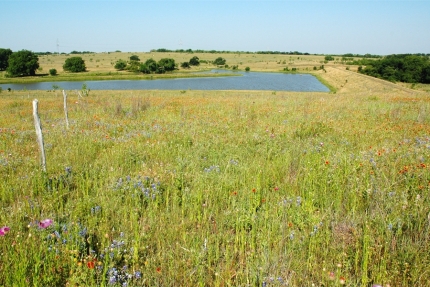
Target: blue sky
point(322, 27)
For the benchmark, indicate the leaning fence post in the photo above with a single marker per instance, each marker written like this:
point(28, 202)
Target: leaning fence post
point(39, 133)
point(65, 109)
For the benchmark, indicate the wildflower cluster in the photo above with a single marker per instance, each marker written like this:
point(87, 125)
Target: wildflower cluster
point(292, 201)
point(114, 256)
point(122, 276)
point(214, 168)
point(146, 188)
point(274, 281)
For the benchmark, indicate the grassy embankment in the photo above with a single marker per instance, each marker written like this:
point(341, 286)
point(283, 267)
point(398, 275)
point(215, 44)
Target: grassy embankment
point(210, 188)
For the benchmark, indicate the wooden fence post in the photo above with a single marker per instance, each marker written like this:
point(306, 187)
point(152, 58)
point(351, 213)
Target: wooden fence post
point(65, 109)
point(38, 127)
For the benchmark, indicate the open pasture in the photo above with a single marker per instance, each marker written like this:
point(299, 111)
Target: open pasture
point(97, 62)
point(218, 188)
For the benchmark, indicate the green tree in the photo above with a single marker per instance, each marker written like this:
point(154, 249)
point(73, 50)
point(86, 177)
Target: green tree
point(4, 57)
point(133, 66)
point(134, 58)
point(329, 58)
point(403, 67)
point(219, 61)
point(120, 65)
point(150, 66)
point(247, 69)
point(166, 65)
point(53, 72)
point(185, 65)
point(195, 61)
point(413, 66)
point(22, 63)
point(74, 65)
point(425, 77)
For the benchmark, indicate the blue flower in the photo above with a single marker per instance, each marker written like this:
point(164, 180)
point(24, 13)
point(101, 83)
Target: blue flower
point(137, 274)
point(112, 280)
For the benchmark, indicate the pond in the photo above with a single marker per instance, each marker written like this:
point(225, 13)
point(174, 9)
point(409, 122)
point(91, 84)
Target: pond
point(244, 81)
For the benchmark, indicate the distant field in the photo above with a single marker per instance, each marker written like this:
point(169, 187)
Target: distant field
point(102, 62)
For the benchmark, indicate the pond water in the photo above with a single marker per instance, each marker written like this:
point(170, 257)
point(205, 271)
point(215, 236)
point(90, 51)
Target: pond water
point(244, 81)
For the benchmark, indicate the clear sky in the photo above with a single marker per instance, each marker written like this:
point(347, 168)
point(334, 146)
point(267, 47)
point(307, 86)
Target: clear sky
point(318, 27)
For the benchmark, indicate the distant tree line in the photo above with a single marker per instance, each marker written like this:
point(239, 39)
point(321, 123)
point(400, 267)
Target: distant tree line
point(408, 68)
point(349, 55)
point(190, 51)
point(83, 52)
point(55, 53)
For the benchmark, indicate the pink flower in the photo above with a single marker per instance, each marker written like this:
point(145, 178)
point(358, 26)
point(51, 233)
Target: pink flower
point(45, 223)
point(4, 230)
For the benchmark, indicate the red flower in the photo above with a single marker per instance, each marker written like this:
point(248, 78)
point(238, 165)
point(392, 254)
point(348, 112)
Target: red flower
point(91, 264)
point(158, 269)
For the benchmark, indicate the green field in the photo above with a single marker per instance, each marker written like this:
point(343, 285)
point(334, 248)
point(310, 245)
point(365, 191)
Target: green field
point(218, 188)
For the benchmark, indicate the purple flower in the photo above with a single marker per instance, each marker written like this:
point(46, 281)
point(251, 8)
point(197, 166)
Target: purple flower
point(4, 230)
point(45, 223)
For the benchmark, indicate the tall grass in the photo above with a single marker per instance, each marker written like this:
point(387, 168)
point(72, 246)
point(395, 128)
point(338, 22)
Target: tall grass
point(154, 188)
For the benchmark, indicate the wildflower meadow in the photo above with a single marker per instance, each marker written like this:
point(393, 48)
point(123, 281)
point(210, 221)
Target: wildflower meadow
point(216, 188)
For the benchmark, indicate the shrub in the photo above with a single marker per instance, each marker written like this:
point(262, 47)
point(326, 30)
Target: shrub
point(194, 61)
point(219, 61)
point(74, 65)
point(134, 58)
point(247, 69)
point(150, 66)
point(53, 72)
point(120, 65)
point(185, 65)
point(166, 65)
point(133, 66)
